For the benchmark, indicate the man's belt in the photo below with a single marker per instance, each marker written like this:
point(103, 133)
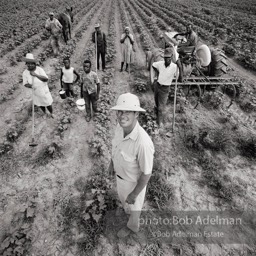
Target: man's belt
point(119, 177)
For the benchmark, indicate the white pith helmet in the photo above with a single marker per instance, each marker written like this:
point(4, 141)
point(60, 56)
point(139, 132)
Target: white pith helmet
point(80, 104)
point(128, 102)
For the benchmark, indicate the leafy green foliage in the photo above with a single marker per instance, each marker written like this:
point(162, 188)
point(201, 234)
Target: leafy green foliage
point(148, 122)
point(212, 100)
point(247, 147)
point(97, 146)
point(159, 192)
point(87, 211)
point(18, 240)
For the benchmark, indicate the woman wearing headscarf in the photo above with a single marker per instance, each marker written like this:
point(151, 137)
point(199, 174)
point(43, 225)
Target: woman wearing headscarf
point(127, 42)
point(34, 77)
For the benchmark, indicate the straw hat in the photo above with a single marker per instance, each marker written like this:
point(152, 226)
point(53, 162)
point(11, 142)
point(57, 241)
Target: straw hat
point(97, 25)
point(51, 13)
point(30, 58)
point(126, 28)
point(168, 52)
point(128, 102)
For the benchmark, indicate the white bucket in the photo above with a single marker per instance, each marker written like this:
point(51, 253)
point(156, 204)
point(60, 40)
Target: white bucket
point(80, 104)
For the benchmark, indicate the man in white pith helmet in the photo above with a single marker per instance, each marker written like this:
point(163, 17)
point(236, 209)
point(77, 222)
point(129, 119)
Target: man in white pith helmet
point(132, 160)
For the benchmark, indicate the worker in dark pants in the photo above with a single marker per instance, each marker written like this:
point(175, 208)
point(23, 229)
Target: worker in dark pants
point(101, 46)
point(90, 89)
point(165, 71)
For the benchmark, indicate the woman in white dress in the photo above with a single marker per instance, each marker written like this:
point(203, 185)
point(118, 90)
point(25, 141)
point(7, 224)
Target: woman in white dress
point(127, 42)
point(34, 77)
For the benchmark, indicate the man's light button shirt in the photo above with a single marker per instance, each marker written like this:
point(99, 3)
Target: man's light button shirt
point(132, 155)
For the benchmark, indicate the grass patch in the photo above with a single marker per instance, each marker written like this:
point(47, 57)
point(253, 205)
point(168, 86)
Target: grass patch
point(247, 147)
point(159, 193)
point(47, 154)
point(83, 217)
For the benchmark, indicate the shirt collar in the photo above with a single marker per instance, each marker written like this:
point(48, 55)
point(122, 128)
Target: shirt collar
point(134, 133)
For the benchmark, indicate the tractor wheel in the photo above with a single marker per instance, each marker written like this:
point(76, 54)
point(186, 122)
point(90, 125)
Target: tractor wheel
point(218, 65)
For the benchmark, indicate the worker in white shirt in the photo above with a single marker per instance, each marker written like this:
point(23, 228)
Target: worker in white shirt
point(165, 71)
point(67, 77)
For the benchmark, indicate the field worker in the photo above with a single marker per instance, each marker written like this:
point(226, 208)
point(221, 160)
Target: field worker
point(127, 42)
point(67, 77)
point(55, 28)
point(34, 77)
point(192, 39)
point(132, 160)
point(101, 46)
point(165, 71)
point(90, 89)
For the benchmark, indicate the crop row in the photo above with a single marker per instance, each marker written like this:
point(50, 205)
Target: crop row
point(27, 26)
point(146, 16)
point(97, 188)
point(241, 45)
point(35, 42)
point(47, 50)
point(144, 37)
point(17, 128)
point(248, 7)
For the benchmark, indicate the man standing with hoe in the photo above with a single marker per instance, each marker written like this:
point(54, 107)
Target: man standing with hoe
point(55, 28)
point(99, 38)
point(165, 71)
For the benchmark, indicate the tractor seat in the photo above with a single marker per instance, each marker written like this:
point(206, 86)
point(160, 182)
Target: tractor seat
point(184, 50)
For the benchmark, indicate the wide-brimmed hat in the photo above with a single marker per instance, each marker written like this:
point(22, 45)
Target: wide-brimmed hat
point(128, 102)
point(97, 25)
point(51, 13)
point(30, 58)
point(168, 52)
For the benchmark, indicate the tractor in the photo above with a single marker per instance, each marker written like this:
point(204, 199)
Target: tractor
point(202, 69)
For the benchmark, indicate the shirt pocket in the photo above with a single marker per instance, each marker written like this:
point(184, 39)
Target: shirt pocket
point(129, 162)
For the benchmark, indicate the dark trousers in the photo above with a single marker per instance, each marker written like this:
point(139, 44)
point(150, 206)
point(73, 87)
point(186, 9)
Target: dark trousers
point(161, 93)
point(101, 53)
point(48, 107)
point(68, 87)
point(90, 99)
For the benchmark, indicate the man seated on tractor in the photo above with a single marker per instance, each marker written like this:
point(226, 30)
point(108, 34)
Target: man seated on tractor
point(192, 41)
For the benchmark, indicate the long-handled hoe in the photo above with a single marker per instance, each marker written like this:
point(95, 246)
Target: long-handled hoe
point(96, 50)
point(175, 97)
point(33, 143)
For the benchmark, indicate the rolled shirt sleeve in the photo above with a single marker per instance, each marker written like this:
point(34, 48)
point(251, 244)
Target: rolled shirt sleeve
point(145, 158)
point(156, 65)
point(25, 78)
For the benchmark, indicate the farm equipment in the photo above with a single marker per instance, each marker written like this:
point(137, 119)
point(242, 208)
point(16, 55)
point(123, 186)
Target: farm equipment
point(202, 70)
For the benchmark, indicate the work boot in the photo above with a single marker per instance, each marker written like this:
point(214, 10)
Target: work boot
point(126, 69)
